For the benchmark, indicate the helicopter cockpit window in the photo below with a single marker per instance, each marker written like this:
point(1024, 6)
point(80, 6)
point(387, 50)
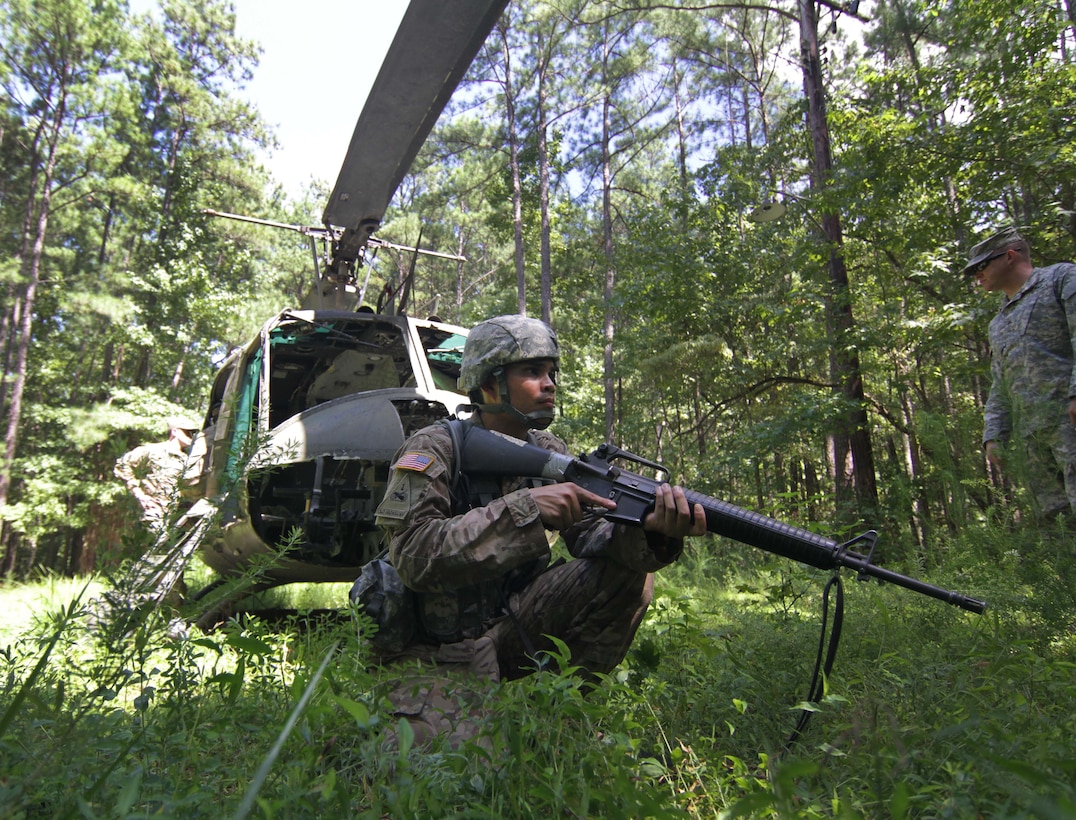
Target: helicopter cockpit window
point(317, 361)
point(445, 356)
point(352, 371)
point(216, 395)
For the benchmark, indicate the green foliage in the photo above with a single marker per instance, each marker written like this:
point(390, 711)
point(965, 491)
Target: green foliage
point(955, 118)
point(128, 127)
point(719, 362)
point(67, 473)
point(256, 719)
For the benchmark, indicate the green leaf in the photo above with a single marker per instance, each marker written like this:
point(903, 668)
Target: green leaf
point(129, 793)
point(357, 710)
point(254, 646)
point(405, 737)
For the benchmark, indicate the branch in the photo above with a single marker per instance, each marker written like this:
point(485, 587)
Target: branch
point(707, 7)
point(769, 383)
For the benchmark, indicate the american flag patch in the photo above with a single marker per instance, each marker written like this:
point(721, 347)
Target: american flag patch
point(414, 461)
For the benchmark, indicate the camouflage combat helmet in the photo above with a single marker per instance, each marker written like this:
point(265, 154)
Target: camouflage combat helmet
point(501, 341)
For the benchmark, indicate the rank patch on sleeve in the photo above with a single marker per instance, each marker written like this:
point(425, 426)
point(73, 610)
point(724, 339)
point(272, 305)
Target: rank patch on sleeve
point(418, 462)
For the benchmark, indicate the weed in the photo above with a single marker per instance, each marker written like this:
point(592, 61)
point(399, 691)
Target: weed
point(929, 711)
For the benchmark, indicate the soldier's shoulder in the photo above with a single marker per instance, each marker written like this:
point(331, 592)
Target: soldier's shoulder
point(142, 452)
point(433, 434)
point(1061, 276)
point(548, 441)
point(1058, 270)
point(434, 440)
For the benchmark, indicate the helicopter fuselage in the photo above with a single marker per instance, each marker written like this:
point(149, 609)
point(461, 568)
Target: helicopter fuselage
point(302, 428)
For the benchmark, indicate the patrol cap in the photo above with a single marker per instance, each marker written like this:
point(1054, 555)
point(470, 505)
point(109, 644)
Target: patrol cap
point(992, 245)
point(503, 340)
point(186, 423)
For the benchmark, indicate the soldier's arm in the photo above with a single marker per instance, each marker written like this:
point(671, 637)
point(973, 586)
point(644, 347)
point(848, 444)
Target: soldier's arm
point(997, 422)
point(436, 551)
point(1067, 277)
point(132, 469)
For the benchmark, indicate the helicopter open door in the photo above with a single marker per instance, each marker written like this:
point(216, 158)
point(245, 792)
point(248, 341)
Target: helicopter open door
point(310, 416)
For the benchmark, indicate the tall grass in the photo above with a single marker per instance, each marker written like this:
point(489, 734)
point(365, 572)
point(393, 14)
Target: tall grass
point(929, 711)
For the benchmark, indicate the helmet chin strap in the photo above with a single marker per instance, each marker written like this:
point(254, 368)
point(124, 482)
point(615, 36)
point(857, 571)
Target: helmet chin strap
point(538, 420)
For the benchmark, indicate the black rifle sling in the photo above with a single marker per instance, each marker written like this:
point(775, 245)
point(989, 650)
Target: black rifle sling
point(460, 503)
point(818, 682)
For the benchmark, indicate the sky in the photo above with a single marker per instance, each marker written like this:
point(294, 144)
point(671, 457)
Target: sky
point(319, 59)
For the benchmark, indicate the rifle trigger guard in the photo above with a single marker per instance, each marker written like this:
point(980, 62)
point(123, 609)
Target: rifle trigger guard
point(870, 538)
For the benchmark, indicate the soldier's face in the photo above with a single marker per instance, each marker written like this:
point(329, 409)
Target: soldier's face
point(994, 275)
point(532, 385)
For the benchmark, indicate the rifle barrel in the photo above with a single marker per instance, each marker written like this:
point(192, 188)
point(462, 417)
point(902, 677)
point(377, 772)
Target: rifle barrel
point(757, 530)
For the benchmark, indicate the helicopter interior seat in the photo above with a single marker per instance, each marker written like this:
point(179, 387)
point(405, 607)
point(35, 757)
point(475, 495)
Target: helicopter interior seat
point(353, 371)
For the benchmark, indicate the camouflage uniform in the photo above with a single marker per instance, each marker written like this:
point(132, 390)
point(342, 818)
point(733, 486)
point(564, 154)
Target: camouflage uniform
point(1031, 340)
point(152, 472)
point(458, 564)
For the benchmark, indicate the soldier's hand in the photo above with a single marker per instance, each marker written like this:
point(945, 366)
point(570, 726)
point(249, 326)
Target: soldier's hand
point(561, 505)
point(672, 515)
point(994, 453)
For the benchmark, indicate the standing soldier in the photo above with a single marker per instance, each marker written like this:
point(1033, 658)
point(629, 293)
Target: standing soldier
point(478, 568)
point(1032, 402)
point(152, 471)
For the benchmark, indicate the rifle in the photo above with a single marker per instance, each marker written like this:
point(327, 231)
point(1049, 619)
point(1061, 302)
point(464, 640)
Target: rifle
point(490, 453)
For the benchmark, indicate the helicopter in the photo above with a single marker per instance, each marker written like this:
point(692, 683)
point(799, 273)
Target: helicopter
point(329, 390)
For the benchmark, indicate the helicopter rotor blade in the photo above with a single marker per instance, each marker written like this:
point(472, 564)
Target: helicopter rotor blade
point(434, 46)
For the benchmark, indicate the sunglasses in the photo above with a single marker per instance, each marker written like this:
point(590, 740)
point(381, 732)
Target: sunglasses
point(982, 265)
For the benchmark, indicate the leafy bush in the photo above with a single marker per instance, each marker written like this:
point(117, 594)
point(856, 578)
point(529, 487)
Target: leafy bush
point(929, 711)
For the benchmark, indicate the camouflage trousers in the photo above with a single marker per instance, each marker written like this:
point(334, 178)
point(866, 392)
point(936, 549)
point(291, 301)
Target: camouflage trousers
point(593, 605)
point(444, 691)
point(1051, 470)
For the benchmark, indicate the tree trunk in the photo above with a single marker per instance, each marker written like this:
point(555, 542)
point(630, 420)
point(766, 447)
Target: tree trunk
point(608, 328)
point(920, 508)
point(543, 183)
point(30, 266)
point(513, 161)
point(853, 458)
